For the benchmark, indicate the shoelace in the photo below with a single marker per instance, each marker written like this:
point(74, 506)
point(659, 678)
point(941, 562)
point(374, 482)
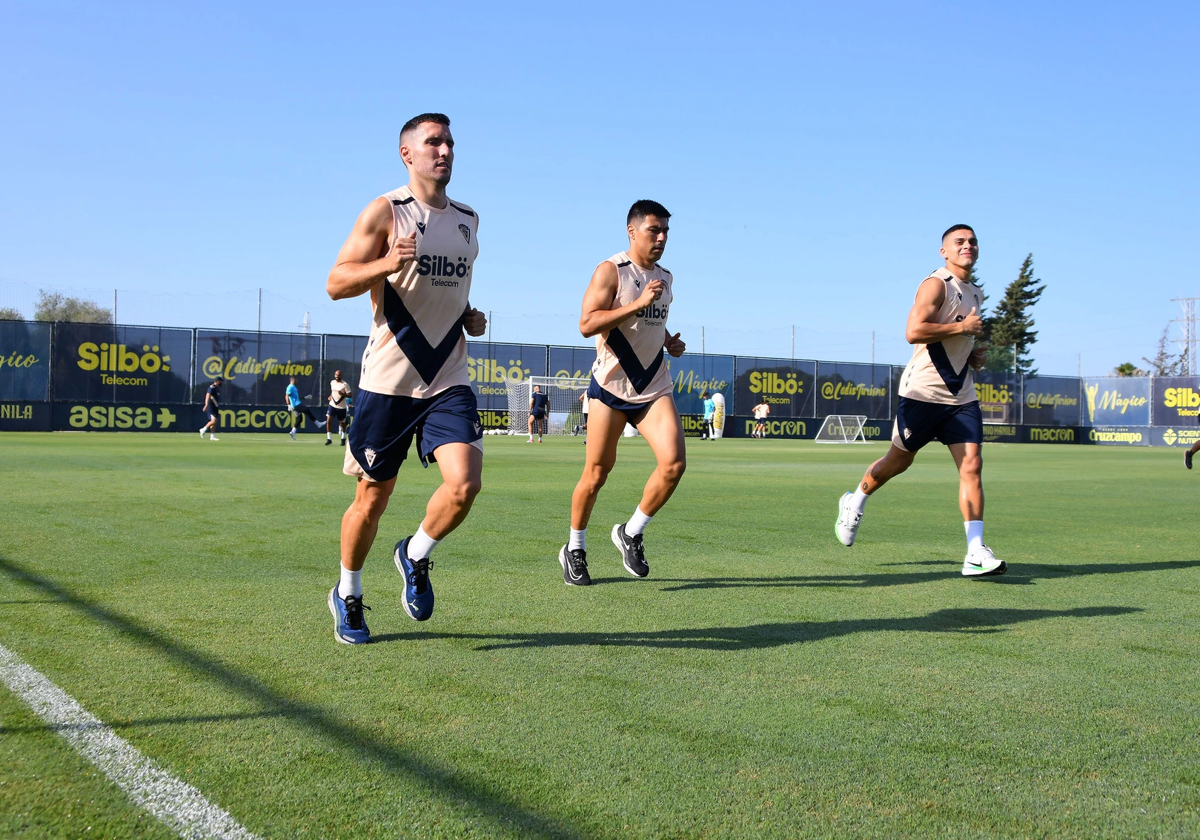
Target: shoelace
point(578, 561)
point(354, 611)
point(639, 548)
point(418, 578)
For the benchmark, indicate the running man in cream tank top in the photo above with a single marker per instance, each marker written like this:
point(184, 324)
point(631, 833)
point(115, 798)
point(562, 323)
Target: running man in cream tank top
point(937, 397)
point(629, 357)
point(625, 307)
point(413, 250)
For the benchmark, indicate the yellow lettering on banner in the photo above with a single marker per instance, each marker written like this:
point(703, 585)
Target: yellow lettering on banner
point(491, 371)
point(142, 418)
point(691, 382)
point(16, 360)
point(848, 389)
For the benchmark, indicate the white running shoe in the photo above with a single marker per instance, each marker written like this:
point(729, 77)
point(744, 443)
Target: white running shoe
point(980, 562)
point(202, 431)
point(213, 437)
point(292, 433)
point(847, 521)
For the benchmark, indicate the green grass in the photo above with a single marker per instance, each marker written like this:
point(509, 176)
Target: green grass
point(764, 681)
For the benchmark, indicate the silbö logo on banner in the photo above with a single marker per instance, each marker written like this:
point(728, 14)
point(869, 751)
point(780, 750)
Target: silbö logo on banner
point(113, 359)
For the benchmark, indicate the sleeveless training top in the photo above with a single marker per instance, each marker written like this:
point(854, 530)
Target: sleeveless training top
point(417, 348)
point(629, 359)
point(938, 372)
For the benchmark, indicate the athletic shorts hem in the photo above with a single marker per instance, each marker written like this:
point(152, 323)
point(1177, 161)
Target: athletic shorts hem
point(634, 412)
point(918, 423)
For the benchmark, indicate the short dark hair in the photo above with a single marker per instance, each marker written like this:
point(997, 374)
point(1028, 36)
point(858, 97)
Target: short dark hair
point(646, 207)
point(218, 379)
point(440, 119)
point(953, 228)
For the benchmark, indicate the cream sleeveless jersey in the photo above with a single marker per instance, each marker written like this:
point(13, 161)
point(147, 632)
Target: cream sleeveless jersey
point(417, 348)
point(629, 360)
point(338, 391)
point(938, 372)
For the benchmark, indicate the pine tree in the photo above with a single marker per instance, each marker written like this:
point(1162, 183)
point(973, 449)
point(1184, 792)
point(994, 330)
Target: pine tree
point(1163, 363)
point(1011, 326)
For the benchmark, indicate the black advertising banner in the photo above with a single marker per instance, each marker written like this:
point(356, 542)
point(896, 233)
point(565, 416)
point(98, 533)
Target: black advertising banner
point(1117, 436)
point(999, 396)
point(1051, 401)
point(572, 362)
point(1183, 435)
point(1052, 434)
point(491, 365)
point(256, 366)
point(849, 388)
point(1176, 401)
point(93, 417)
point(692, 374)
point(1116, 401)
point(742, 426)
point(344, 353)
point(24, 361)
point(265, 418)
point(786, 385)
point(24, 416)
point(112, 364)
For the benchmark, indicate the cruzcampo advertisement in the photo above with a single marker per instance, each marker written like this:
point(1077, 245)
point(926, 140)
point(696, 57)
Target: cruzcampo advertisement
point(784, 385)
point(24, 360)
point(256, 366)
point(121, 364)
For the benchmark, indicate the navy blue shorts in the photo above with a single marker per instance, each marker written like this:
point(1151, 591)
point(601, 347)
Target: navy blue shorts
point(212, 415)
point(338, 414)
point(634, 412)
point(538, 415)
point(384, 427)
point(917, 423)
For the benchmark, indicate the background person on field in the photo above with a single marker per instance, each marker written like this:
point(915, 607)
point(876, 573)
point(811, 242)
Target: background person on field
point(937, 397)
point(710, 408)
point(761, 412)
point(297, 407)
point(339, 401)
point(413, 251)
point(583, 411)
point(625, 307)
point(212, 399)
point(539, 409)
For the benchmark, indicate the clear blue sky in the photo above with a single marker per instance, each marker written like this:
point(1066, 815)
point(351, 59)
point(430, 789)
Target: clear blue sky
point(189, 154)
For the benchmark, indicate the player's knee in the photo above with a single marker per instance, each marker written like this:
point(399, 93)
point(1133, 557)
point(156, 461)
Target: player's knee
point(594, 476)
point(464, 491)
point(672, 471)
point(972, 466)
point(371, 507)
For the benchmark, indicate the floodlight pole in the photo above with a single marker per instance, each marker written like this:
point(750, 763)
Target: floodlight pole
point(1188, 342)
point(260, 309)
point(114, 306)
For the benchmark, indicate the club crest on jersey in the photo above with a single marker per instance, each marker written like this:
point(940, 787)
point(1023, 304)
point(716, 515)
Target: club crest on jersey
point(466, 232)
point(421, 227)
point(370, 453)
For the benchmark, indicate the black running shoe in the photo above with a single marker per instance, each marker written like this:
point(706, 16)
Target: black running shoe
point(633, 553)
point(574, 563)
point(328, 442)
point(1187, 459)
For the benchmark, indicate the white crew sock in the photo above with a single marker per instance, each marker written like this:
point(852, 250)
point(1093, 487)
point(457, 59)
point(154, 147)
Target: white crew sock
point(974, 533)
point(328, 435)
point(637, 523)
point(341, 433)
point(293, 430)
point(351, 583)
point(859, 500)
point(421, 545)
point(578, 540)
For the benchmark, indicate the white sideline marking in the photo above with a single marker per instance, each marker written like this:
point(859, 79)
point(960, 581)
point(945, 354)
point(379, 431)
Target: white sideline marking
point(179, 805)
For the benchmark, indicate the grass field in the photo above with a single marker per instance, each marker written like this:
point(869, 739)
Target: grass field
point(764, 681)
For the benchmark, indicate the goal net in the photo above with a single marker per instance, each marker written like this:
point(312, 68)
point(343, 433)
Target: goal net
point(565, 409)
point(842, 428)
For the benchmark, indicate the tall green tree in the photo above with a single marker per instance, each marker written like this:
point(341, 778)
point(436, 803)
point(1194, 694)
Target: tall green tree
point(7, 313)
point(52, 306)
point(1164, 362)
point(1010, 327)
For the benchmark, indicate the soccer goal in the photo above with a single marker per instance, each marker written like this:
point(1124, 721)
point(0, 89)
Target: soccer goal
point(566, 411)
point(842, 428)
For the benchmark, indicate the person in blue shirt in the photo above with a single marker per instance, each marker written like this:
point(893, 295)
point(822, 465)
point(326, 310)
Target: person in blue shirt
point(297, 407)
point(709, 408)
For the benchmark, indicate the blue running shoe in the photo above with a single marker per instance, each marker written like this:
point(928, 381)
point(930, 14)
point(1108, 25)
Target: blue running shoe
point(418, 591)
point(349, 626)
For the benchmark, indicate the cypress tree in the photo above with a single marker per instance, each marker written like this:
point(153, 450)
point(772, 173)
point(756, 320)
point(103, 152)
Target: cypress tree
point(1011, 326)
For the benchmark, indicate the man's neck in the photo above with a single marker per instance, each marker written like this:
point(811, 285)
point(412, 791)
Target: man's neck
point(958, 271)
point(641, 261)
point(429, 193)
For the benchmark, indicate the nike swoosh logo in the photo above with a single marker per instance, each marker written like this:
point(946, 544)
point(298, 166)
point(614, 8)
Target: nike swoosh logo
point(976, 565)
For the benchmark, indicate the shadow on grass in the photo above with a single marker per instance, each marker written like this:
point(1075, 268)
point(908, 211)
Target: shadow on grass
point(132, 724)
point(757, 636)
point(1022, 574)
point(459, 790)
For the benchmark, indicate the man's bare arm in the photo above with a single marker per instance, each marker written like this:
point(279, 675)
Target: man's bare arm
point(365, 258)
point(922, 327)
point(601, 291)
